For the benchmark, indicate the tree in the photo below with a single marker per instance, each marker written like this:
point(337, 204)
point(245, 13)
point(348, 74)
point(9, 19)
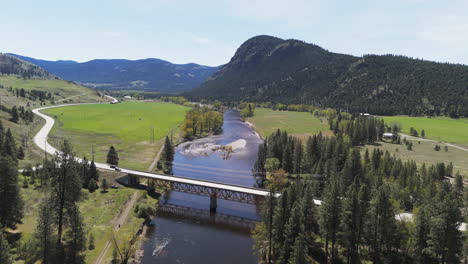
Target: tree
point(66, 187)
point(75, 237)
point(125, 246)
point(330, 211)
point(423, 134)
point(92, 186)
point(11, 204)
point(91, 244)
point(5, 256)
point(20, 154)
point(104, 185)
point(112, 157)
point(299, 254)
point(14, 115)
point(351, 218)
point(93, 172)
point(44, 233)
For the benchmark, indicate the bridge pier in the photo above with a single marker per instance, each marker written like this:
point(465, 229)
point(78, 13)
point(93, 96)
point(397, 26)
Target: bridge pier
point(133, 180)
point(213, 202)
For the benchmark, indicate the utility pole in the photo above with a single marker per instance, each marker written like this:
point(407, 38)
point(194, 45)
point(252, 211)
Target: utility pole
point(92, 152)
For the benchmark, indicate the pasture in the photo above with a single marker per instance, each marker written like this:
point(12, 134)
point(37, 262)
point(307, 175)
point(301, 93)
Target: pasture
point(299, 124)
point(135, 129)
point(439, 128)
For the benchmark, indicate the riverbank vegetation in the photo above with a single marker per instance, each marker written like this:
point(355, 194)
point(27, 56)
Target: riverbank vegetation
point(201, 121)
point(361, 193)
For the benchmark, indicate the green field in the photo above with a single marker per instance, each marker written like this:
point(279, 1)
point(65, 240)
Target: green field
point(299, 124)
point(440, 128)
point(128, 126)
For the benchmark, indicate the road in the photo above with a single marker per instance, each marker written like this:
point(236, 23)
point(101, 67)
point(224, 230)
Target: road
point(40, 139)
point(431, 140)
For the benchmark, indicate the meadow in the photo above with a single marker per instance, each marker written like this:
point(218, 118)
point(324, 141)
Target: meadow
point(135, 129)
point(299, 124)
point(439, 128)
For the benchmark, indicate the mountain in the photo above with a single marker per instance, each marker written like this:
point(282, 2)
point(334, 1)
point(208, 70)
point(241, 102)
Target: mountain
point(12, 65)
point(147, 74)
point(270, 69)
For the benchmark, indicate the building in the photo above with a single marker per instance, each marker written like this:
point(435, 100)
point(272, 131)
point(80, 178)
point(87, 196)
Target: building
point(387, 136)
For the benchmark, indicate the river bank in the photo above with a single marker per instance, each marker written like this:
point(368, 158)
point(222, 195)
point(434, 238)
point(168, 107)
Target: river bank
point(191, 235)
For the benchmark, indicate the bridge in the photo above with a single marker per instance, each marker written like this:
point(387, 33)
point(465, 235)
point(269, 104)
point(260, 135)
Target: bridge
point(212, 189)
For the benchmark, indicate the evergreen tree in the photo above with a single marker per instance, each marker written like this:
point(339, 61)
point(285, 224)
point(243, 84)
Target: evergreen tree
point(66, 188)
point(75, 237)
point(104, 185)
point(5, 255)
point(14, 115)
point(20, 154)
point(44, 233)
point(92, 186)
point(112, 157)
point(93, 172)
point(330, 215)
point(351, 218)
point(91, 242)
point(299, 253)
point(10, 145)
point(11, 204)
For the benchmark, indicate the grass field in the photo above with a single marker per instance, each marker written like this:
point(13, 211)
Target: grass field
point(424, 153)
point(440, 128)
point(127, 126)
point(299, 124)
point(99, 211)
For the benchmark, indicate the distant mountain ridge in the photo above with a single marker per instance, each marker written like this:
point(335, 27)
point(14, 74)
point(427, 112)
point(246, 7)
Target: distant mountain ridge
point(120, 74)
point(270, 69)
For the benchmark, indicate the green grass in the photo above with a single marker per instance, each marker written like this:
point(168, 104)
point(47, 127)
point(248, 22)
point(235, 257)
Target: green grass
point(299, 124)
point(99, 211)
point(440, 128)
point(127, 126)
point(424, 153)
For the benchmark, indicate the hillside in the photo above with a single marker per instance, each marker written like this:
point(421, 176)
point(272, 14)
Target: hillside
point(269, 69)
point(148, 74)
point(23, 87)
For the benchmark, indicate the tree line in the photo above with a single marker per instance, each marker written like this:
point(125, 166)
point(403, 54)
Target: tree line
point(201, 121)
point(361, 193)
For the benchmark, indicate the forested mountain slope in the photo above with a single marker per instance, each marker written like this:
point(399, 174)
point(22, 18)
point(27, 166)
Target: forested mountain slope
point(269, 69)
point(147, 74)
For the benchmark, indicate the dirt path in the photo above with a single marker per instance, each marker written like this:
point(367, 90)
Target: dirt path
point(122, 218)
point(120, 221)
point(431, 140)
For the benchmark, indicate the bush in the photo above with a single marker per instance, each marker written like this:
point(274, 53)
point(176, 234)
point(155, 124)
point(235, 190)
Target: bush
point(437, 148)
point(144, 211)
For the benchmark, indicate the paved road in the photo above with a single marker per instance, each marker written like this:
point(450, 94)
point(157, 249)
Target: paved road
point(40, 139)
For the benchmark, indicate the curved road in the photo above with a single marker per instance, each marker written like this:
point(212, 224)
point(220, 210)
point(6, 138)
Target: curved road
point(40, 139)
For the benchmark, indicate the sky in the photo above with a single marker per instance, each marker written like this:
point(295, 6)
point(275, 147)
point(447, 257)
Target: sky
point(209, 32)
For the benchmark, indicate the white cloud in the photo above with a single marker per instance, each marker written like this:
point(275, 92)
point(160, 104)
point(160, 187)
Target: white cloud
point(200, 40)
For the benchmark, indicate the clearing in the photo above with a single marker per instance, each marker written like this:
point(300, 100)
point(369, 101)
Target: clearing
point(438, 128)
point(135, 129)
point(299, 124)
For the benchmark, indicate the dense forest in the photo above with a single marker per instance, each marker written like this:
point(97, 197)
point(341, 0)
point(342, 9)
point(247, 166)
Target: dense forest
point(268, 69)
point(361, 194)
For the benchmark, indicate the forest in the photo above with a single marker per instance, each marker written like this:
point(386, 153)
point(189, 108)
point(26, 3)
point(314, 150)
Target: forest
point(361, 195)
point(286, 72)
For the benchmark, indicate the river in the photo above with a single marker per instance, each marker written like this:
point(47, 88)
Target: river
point(190, 238)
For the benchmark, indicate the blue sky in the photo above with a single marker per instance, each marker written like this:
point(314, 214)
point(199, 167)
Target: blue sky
point(209, 32)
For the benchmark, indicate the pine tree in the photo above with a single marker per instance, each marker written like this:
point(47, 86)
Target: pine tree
point(20, 154)
point(92, 186)
point(10, 145)
point(299, 254)
point(293, 228)
point(11, 204)
point(14, 115)
point(330, 215)
point(44, 233)
point(104, 185)
point(91, 242)
point(5, 256)
point(93, 172)
point(112, 157)
point(66, 187)
point(75, 237)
